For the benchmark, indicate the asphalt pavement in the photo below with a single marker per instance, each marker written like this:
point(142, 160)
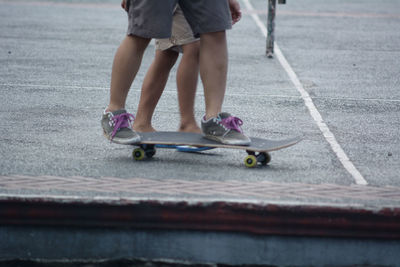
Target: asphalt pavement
point(55, 71)
point(334, 80)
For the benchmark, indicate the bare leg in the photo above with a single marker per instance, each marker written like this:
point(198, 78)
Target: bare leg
point(152, 88)
point(127, 61)
point(213, 70)
point(186, 79)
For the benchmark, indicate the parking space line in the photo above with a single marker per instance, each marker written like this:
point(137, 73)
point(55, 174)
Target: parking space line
point(173, 91)
point(329, 136)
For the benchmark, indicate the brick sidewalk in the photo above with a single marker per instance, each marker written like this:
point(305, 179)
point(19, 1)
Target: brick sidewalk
point(231, 190)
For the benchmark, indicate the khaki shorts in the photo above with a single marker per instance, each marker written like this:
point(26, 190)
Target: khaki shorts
point(153, 18)
point(181, 34)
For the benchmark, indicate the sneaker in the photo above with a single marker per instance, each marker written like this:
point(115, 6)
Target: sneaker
point(117, 127)
point(225, 129)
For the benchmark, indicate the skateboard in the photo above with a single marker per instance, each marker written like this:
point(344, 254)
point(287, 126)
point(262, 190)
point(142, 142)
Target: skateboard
point(258, 152)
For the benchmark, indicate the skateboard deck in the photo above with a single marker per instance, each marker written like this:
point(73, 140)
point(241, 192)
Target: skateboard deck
point(258, 150)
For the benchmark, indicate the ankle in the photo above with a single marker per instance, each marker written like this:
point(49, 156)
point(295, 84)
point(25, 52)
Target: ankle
point(210, 115)
point(112, 108)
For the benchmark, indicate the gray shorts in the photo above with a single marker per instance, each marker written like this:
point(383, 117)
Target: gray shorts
point(153, 18)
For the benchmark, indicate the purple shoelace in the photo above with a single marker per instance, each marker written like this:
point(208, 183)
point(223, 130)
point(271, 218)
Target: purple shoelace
point(233, 123)
point(121, 121)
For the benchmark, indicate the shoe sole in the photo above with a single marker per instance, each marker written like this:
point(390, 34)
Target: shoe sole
point(122, 141)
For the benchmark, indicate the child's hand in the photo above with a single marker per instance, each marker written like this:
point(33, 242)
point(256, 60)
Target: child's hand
point(125, 5)
point(235, 11)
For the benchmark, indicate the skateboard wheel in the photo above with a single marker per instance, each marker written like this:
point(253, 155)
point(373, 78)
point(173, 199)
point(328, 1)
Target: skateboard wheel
point(138, 154)
point(250, 161)
point(264, 158)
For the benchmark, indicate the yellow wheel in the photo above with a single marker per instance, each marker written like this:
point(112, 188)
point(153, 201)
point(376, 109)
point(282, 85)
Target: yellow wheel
point(138, 154)
point(250, 161)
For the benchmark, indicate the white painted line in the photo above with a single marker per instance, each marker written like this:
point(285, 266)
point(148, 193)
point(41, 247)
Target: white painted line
point(344, 159)
point(53, 86)
point(199, 93)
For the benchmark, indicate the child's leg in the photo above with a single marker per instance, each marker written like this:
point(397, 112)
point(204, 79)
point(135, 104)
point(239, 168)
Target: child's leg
point(211, 19)
point(127, 61)
point(115, 121)
point(213, 70)
point(147, 19)
point(186, 79)
point(152, 88)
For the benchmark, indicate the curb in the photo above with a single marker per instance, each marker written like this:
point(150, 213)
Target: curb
point(216, 216)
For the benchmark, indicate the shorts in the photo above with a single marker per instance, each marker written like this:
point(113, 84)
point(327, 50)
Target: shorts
point(181, 34)
point(153, 18)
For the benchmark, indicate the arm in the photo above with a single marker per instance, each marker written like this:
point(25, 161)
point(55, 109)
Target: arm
point(125, 5)
point(235, 11)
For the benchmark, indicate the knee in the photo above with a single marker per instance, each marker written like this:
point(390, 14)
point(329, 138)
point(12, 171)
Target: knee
point(166, 59)
point(139, 43)
point(192, 50)
point(213, 38)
